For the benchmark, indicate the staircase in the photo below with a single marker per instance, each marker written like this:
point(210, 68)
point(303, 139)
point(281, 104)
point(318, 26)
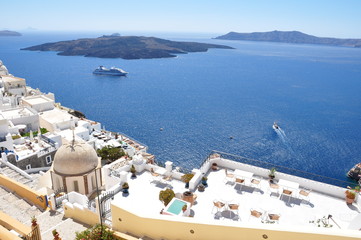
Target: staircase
point(10, 173)
point(66, 227)
point(18, 208)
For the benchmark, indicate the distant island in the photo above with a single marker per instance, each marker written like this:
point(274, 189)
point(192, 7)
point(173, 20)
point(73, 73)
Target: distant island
point(126, 47)
point(7, 33)
point(290, 37)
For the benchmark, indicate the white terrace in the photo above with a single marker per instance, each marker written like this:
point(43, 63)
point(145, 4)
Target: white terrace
point(324, 199)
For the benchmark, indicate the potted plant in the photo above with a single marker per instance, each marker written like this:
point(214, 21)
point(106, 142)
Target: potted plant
point(33, 221)
point(56, 235)
point(166, 196)
point(272, 172)
point(187, 178)
point(125, 187)
point(133, 171)
point(214, 166)
point(201, 187)
point(351, 194)
point(184, 208)
point(204, 181)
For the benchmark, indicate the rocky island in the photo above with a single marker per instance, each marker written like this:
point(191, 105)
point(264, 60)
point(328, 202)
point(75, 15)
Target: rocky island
point(7, 33)
point(290, 37)
point(126, 47)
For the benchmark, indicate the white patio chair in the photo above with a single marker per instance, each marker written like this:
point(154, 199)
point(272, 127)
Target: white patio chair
point(155, 176)
point(274, 188)
point(229, 178)
point(304, 194)
point(218, 205)
point(168, 178)
point(255, 182)
point(241, 182)
point(257, 214)
point(287, 192)
point(233, 207)
point(273, 217)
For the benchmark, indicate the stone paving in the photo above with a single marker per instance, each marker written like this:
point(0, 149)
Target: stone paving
point(66, 227)
point(18, 208)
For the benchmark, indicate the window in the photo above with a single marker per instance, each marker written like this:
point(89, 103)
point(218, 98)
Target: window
point(93, 182)
point(76, 186)
point(28, 166)
point(48, 159)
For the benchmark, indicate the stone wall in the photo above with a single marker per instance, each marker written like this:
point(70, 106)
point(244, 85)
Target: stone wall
point(34, 161)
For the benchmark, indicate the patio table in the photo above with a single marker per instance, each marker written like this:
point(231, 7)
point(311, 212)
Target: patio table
point(289, 188)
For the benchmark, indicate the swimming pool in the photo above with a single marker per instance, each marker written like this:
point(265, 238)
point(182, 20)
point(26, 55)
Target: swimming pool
point(175, 207)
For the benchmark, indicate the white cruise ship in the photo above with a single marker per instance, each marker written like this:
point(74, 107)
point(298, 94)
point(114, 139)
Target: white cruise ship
point(111, 71)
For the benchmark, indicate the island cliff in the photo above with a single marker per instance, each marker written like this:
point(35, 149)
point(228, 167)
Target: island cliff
point(126, 47)
point(290, 37)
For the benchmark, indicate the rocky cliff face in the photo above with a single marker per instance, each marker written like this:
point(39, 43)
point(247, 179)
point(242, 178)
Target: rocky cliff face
point(290, 37)
point(3, 69)
point(126, 47)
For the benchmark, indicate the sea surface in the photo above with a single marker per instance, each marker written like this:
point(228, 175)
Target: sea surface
point(201, 100)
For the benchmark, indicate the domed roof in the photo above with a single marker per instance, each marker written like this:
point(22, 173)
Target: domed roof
point(75, 158)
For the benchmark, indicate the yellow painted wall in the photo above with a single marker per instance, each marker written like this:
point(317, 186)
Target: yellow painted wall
point(189, 229)
point(123, 236)
point(24, 191)
point(6, 235)
point(82, 215)
point(11, 223)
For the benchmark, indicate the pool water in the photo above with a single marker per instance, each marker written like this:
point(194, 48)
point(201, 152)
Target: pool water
point(176, 207)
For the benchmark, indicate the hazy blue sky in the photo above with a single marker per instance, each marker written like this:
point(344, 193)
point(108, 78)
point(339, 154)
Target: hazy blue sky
point(334, 18)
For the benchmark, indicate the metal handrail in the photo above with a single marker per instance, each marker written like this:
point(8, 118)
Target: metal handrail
point(283, 169)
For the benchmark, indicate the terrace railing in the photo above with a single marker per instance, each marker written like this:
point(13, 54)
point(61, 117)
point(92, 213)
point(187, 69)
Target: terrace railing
point(132, 139)
point(279, 168)
point(48, 140)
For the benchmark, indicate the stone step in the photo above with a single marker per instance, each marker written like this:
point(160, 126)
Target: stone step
point(14, 174)
point(48, 219)
point(22, 179)
point(3, 191)
point(66, 229)
point(8, 171)
point(18, 208)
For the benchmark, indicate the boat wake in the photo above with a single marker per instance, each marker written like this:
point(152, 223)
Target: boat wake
point(281, 134)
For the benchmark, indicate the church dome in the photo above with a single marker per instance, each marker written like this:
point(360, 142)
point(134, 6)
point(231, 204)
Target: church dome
point(75, 158)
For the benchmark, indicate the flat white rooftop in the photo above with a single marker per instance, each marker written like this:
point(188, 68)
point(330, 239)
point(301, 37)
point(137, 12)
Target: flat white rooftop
point(56, 115)
point(16, 113)
point(12, 79)
point(33, 100)
point(144, 193)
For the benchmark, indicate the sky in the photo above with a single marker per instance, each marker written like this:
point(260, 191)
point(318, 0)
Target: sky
point(323, 18)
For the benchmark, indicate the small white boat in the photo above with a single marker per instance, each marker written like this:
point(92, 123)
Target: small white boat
point(112, 71)
point(355, 172)
point(275, 126)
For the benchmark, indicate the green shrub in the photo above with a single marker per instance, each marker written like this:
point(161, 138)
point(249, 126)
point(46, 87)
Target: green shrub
point(187, 177)
point(95, 233)
point(35, 133)
point(110, 153)
point(15, 137)
point(166, 196)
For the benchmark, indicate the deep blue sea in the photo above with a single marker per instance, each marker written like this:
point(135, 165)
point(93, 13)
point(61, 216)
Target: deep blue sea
point(201, 99)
